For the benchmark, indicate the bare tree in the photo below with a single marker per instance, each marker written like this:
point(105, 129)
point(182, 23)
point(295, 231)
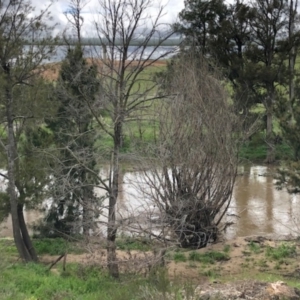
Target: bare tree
point(190, 172)
point(74, 16)
point(20, 62)
point(126, 30)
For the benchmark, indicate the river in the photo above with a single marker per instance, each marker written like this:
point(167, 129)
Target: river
point(257, 207)
point(97, 52)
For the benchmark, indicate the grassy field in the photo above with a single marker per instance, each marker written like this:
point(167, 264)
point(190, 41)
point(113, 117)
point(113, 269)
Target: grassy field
point(186, 273)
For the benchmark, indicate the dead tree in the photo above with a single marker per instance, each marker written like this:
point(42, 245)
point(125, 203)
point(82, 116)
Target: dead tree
point(125, 88)
point(190, 172)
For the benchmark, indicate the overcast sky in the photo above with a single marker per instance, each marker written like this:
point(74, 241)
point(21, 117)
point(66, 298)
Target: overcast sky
point(172, 8)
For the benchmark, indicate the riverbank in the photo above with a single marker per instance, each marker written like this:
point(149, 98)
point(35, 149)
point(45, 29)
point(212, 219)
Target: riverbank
point(50, 71)
point(243, 268)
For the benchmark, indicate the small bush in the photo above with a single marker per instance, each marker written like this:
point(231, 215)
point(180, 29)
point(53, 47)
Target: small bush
point(179, 257)
point(282, 251)
point(254, 247)
point(226, 248)
point(212, 273)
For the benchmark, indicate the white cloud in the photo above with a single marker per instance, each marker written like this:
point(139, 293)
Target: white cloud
point(171, 10)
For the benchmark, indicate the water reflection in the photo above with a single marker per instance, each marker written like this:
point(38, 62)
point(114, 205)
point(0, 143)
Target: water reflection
point(257, 207)
point(260, 207)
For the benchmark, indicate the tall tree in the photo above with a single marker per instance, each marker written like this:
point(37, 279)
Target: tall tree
point(293, 41)
point(126, 88)
point(268, 55)
point(255, 41)
point(201, 21)
point(190, 171)
point(74, 179)
point(19, 67)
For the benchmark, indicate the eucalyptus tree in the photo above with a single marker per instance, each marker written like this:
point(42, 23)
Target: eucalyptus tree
point(21, 105)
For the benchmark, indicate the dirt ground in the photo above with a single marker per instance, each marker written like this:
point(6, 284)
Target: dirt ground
point(247, 273)
point(242, 260)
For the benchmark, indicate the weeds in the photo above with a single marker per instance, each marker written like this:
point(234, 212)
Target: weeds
point(34, 281)
point(55, 246)
point(254, 247)
point(130, 243)
point(212, 273)
point(282, 251)
point(209, 257)
point(179, 257)
point(226, 248)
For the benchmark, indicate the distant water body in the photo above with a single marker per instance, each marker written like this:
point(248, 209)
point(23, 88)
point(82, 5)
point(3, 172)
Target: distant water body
point(150, 52)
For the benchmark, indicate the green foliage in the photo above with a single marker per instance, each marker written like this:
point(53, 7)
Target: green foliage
point(254, 247)
point(7, 247)
point(131, 243)
point(282, 251)
point(55, 246)
point(209, 257)
point(4, 206)
point(74, 138)
point(255, 149)
point(227, 248)
point(251, 43)
point(179, 257)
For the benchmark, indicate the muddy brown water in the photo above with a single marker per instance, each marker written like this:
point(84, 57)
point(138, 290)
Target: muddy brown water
point(257, 207)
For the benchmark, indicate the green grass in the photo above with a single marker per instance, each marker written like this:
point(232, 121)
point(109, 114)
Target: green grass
point(34, 281)
point(179, 257)
point(255, 247)
point(7, 247)
point(283, 251)
point(209, 257)
point(130, 243)
point(255, 150)
point(226, 248)
point(31, 281)
point(55, 246)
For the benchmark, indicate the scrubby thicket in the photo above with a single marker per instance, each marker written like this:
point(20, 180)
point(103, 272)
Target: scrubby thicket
point(234, 79)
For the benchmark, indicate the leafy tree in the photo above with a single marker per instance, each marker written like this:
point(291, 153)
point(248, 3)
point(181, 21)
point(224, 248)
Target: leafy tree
point(253, 44)
point(19, 77)
point(201, 21)
point(267, 54)
point(73, 184)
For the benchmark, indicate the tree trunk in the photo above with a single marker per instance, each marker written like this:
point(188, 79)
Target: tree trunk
point(292, 58)
point(11, 160)
point(269, 133)
point(87, 209)
point(25, 234)
point(20, 233)
point(112, 262)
